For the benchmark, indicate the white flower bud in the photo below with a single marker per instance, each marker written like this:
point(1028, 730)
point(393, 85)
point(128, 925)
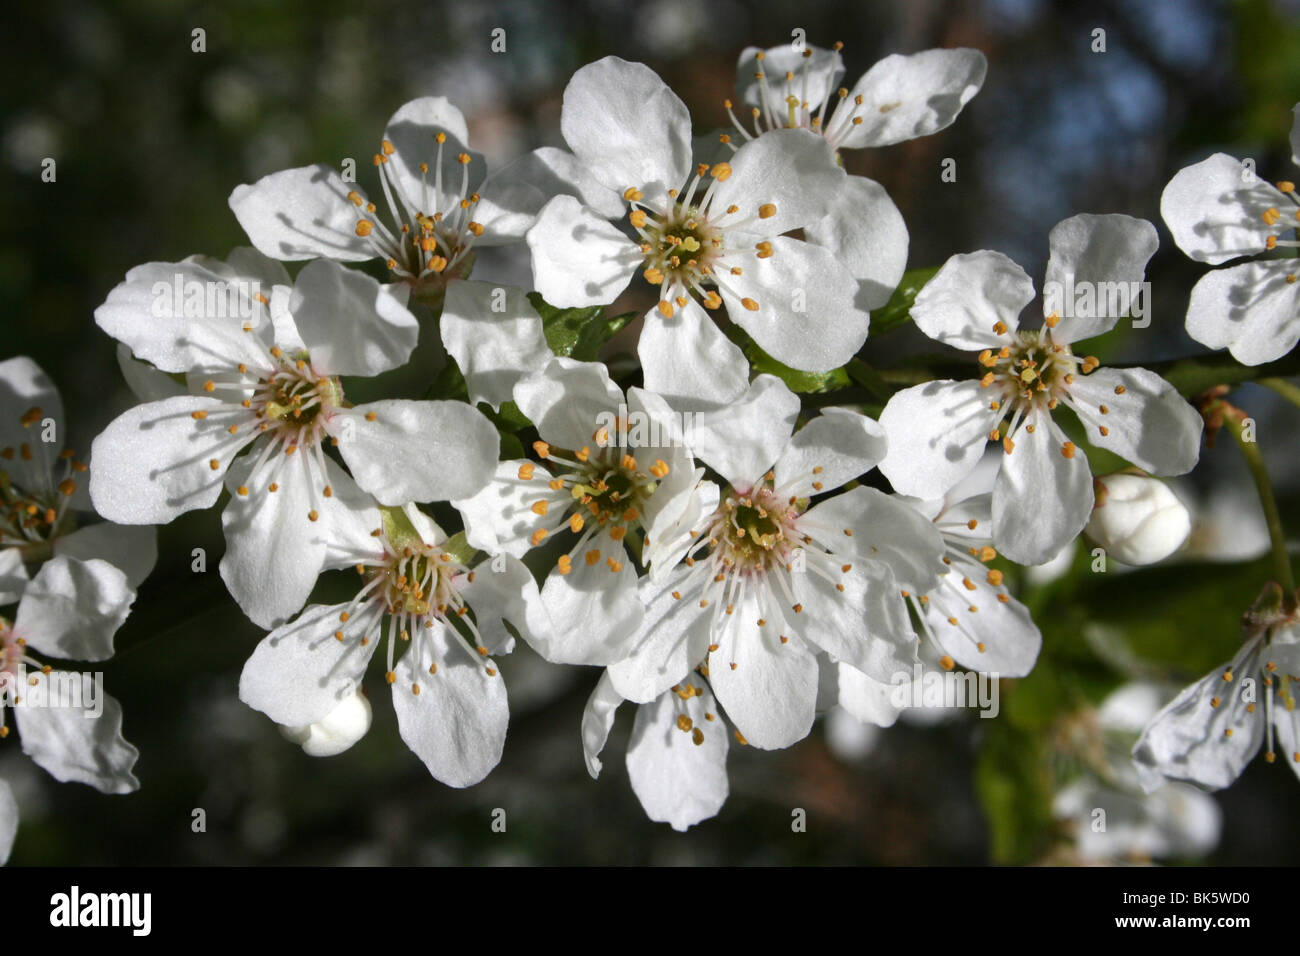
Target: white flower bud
point(1137, 519)
point(336, 731)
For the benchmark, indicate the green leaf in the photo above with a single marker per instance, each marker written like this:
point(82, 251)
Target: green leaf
point(798, 381)
point(577, 333)
point(898, 309)
point(449, 385)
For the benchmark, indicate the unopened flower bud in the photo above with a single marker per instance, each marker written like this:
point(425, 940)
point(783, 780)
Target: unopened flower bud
point(1137, 519)
point(336, 731)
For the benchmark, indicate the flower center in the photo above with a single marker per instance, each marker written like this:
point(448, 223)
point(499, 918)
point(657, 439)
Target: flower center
point(608, 488)
point(430, 244)
point(410, 584)
point(753, 532)
point(683, 246)
point(795, 107)
point(291, 399)
point(417, 582)
point(14, 661)
point(683, 241)
point(31, 517)
point(1031, 374)
point(1034, 367)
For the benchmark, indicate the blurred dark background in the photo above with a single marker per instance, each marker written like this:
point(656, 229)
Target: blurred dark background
point(150, 138)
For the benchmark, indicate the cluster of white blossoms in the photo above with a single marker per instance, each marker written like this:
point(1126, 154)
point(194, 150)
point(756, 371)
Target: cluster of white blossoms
point(735, 558)
point(66, 586)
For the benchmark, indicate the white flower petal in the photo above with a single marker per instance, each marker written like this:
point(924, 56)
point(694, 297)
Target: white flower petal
point(669, 531)
point(673, 639)
point(499, 518)
point(402, 451)
point(597, 721)
point(557, 172)
point(815, 75)
point(72, 609)
point(909, 96)
point(184, 316)
point(8, 821)
point(865, 231)
point(793, 170)
point(806, 315)
point(300, 672)
point(507, 208)
point(768, 688)
point(13, 575)
point(568, 400)
point(595, 609)
point(74, 747)
point(153, 463)
point(502, 590)
point(146, 382)
point(25, 386)
point(1042, 499)
point(936, 435)
point(1010, 640)
point(865, 625)
point(493, 347)
point(456, 724)
point(868, 700)
point(741, 441)
point(301, 213)
point(688, 359)
point(1295, 134)
point(624, 123)
point(132, 548)
point(578, 258)
point(1250, 309)
point(412, 131)
point(274, 551)
point(1146, 422)
point(831, 450)
point(677, 780)
point(969, 296)
point(1189, 739)
point(1107, 254)
point(883, 529)
point(1215, 207)
point(350, 323)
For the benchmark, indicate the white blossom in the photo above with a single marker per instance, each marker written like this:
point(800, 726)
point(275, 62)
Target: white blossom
point(1214, 727)
point(1043, 494)
point(1218, 210)
point(769, 579)
point(677, 756)
point(443, 617)
point(898, 99)
point(705, 236)
point(608, 467)
point(264, 374)
point(71, 609)
point(439, 204)
point(43, 498)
